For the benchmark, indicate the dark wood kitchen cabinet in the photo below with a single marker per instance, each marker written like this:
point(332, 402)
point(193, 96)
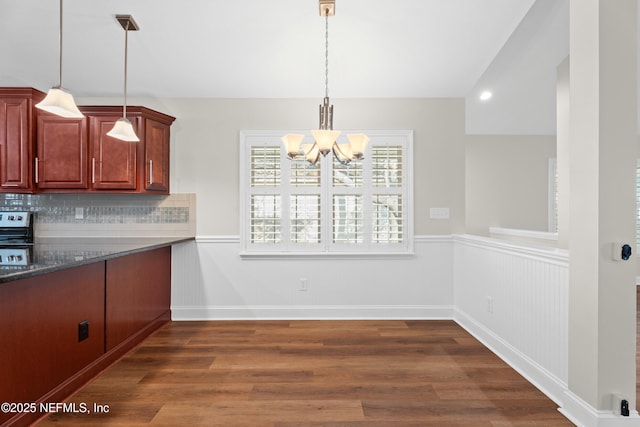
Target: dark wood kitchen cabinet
point(39, 318)
point(61, 153)
point(120, 166)
point(78, 155)
point(17, 136)
point(124, 299)
point(42, 152)
point(113, 161)
point(156, 156)
point(138, 291)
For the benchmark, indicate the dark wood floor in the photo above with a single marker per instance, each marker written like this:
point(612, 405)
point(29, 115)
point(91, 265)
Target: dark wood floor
point(312, 373)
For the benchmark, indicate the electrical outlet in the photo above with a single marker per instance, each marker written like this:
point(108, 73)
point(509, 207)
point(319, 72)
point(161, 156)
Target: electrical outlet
point(490, 304)
point(83, 330)
point(304, 284)
point(79, 213)
point(620, 405)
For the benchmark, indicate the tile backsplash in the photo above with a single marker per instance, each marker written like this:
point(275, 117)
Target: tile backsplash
point(106, 215)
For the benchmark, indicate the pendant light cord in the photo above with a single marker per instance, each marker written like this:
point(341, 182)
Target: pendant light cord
point(60, 49)
point(126, 47)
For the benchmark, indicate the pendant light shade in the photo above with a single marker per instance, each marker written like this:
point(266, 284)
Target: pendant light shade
point(291, 143)
point(123, 129)
point(358, 143)
point(58, 101)
point(325, 138)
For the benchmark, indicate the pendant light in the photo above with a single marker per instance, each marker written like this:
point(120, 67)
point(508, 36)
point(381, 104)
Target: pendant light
point(58, 101)
point(123, 129)
point(325, 137)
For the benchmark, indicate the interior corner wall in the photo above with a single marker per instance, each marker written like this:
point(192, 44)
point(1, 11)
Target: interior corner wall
point(507, 182)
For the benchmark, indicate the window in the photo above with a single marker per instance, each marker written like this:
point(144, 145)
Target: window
point(291, 206)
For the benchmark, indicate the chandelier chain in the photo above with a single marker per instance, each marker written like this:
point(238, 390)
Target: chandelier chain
point(326, 54)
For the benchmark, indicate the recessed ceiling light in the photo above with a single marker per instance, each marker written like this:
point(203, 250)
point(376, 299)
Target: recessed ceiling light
point(486, 95)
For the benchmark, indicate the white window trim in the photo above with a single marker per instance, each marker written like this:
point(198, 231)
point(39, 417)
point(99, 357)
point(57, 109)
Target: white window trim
point(405, 137)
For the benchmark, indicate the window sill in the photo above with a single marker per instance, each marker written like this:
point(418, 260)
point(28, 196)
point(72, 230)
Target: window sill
point(326, 255)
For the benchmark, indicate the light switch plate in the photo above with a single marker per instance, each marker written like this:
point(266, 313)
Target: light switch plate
point(439, 213)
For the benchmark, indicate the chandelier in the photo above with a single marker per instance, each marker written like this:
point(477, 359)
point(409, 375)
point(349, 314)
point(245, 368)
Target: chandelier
point(325, 138)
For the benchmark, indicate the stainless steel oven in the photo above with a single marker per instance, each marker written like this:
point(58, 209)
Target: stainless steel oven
point(16, 238)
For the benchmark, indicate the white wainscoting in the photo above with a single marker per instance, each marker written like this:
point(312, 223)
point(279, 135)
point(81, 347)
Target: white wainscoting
point(211, 281)
point(514, 299)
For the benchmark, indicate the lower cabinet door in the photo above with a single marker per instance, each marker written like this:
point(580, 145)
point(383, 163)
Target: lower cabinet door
point(40, 330)
point(138, 291)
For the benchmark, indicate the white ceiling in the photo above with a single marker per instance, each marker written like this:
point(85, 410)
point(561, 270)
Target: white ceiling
point(274, 49)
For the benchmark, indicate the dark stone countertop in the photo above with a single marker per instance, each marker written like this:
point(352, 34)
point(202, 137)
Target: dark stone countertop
point(52, 254)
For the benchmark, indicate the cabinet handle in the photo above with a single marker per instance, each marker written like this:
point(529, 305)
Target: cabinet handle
point(93, 170)
point(150, 171)
point(36, 167)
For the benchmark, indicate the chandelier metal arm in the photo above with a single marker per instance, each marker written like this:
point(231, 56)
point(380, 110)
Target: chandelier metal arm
point(337, 152)
point(316, 158)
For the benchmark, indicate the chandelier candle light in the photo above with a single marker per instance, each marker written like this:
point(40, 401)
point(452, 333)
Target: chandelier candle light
point(325, 137)
point(123, 129)
point(58, 101)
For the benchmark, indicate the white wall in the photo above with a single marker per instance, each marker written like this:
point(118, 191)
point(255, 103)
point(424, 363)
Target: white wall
point(507, 182)
point(211, 281)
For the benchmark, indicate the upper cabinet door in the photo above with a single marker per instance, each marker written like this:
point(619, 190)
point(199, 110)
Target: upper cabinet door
point(113, 162)
point(62, 159)
point(16, 144)
point(156, 140)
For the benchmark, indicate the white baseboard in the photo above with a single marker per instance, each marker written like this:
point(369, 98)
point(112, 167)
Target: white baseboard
point(312, 312)
point(582, 414)
point(547, 383)
point(571, 406)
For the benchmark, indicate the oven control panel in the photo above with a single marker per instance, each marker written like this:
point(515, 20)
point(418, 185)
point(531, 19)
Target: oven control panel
point(14, 219)
point(14, 256)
